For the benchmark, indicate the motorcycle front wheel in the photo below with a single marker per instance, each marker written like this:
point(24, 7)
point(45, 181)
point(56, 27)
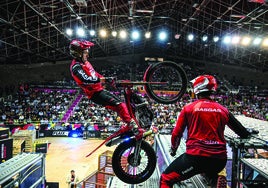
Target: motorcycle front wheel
point(133, 170)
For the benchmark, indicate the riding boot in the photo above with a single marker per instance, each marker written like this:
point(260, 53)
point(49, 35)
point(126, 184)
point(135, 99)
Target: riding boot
point(122, 111)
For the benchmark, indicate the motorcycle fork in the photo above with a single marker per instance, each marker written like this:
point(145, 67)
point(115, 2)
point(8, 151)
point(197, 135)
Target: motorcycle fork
point(137, 151)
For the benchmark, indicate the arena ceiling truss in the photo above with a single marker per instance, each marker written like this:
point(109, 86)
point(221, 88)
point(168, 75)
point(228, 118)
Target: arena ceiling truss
point(34, 31)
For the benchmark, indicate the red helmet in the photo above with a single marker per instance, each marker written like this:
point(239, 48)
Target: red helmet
point(78, 46)
point(204, 83)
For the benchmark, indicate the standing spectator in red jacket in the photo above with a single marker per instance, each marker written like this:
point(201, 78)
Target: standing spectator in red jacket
point(205, 121)
point(91, 82)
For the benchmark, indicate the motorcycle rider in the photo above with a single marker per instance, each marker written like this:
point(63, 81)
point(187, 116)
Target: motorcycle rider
point(91, 81)
point(205, 121)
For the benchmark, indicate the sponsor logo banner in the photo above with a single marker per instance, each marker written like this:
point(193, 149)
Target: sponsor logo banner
point(52, 133)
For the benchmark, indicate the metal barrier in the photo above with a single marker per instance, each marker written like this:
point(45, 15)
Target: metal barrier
point(23, 170)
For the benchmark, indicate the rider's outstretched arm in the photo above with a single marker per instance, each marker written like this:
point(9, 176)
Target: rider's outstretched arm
point(237, 127)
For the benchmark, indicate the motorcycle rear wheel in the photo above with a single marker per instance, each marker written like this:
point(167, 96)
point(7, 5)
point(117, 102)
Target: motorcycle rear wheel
point(166, 82)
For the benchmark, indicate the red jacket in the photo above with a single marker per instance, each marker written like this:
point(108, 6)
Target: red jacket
point(205, 121)
point(86, 77)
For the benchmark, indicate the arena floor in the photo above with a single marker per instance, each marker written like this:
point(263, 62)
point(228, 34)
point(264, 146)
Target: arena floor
point(66, 154)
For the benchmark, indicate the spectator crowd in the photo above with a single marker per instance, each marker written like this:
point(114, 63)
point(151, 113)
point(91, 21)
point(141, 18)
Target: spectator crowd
point(45, 108)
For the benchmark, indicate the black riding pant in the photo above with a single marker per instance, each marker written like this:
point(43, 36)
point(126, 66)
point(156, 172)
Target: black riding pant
point(105, 98)
point(186, 166)
point(111, 101)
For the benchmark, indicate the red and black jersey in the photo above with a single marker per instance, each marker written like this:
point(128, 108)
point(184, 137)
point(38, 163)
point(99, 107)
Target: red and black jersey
point(205, 121)
point(86, 77)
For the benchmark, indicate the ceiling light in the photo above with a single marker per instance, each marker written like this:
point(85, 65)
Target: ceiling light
point(92, 32)
point(257, 41)
point(265, 42)
point(177, 36)
point(246, 41)
point(114, 33)
point(145, 11)
point(80, 32)
point(216, 38)
point(195, 5)
point(147, 34)
point(204, 38)
point(235, 39)
point(135, 35)
point(190, 37)
point(103, 33)
point(123, 34)
point(69, 32)
point(226, 39)
point(162, 35)
point(237, 16)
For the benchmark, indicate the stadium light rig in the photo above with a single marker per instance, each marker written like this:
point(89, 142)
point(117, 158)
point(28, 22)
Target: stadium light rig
point(229, 39)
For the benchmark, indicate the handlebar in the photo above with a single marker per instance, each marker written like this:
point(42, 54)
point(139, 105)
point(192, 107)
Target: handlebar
point(125, 83)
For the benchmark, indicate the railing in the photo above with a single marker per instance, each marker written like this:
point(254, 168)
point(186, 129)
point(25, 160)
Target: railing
point(100, 177)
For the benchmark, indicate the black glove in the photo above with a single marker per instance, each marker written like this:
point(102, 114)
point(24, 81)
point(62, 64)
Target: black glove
point(111, 81)
point(253, 131)
point(172, 152)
